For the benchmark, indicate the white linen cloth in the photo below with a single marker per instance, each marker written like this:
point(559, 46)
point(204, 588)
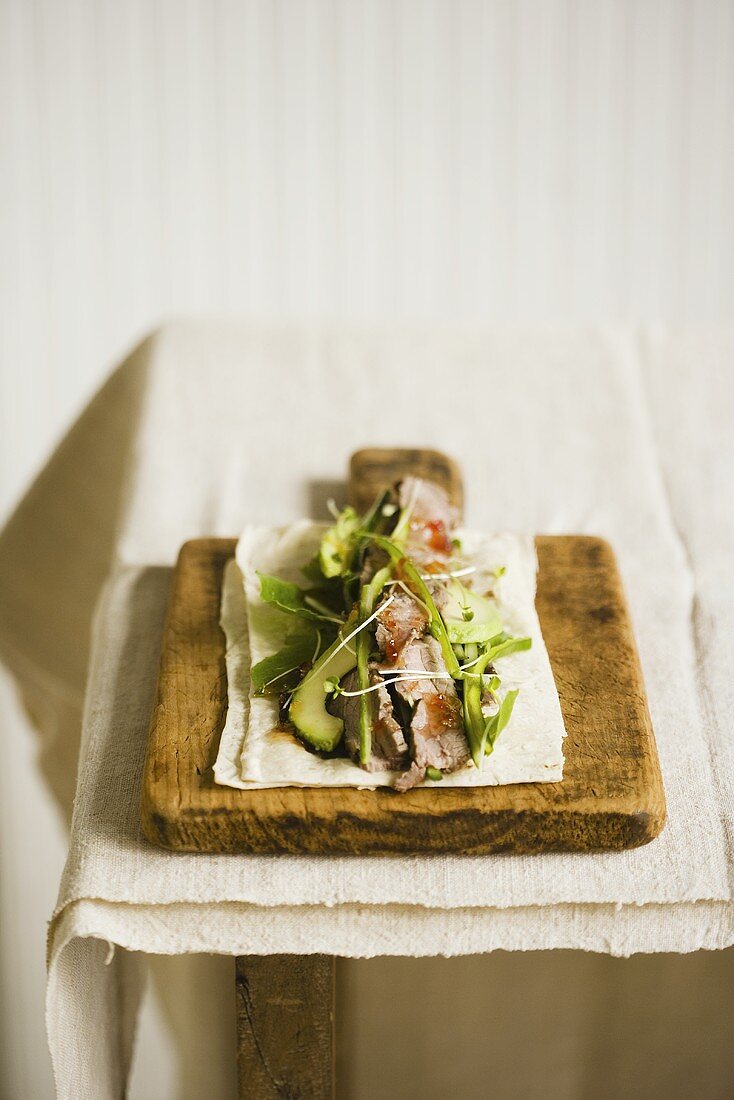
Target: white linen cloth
point(619, 434)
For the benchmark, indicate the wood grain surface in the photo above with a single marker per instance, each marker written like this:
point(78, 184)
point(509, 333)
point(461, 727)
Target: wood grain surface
point(285, 1027)
point(372, 468)
point(611, 796)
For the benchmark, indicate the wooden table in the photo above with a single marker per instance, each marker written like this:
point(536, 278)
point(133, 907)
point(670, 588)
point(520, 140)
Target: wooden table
point(285, 1003)
point(285, 1027)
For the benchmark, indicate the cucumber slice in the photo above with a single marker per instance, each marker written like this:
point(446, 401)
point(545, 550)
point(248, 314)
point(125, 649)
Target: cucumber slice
point(484, 624)
point(308, 711)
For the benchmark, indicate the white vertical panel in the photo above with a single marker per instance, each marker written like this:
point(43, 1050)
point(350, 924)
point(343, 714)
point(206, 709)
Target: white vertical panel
point(596, 162)
point(375, 100)
point(652, 182)
point(495, 221)
point(528, 210)
point(366, 158)
point(310, 213)
point(426, 156)
point(707, 225)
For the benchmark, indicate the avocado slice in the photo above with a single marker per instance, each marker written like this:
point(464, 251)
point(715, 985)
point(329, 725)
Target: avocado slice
point(308, 711)
point(484, 624)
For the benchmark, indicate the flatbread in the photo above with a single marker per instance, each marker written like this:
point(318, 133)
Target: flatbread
point(255, 752)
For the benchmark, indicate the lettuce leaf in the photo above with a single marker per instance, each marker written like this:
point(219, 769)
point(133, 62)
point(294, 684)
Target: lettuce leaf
point(339, 542)
point(291, 599)
point(282, 671)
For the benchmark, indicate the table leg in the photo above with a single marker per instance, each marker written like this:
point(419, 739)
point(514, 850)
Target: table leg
point(285, 1027)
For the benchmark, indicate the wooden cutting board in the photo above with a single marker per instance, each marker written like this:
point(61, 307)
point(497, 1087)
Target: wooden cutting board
point(611, 796)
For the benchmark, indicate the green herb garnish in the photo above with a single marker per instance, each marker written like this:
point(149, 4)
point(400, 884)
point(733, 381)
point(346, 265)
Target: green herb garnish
point(283, 670)
point(293, 600)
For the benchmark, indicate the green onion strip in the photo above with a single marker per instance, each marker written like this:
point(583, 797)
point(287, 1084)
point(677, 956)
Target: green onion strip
point(367, 601)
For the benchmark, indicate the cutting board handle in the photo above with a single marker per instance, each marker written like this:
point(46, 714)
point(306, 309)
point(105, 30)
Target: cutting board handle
point(374, 468)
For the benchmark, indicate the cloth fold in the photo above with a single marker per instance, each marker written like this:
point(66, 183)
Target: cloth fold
point(605, 432)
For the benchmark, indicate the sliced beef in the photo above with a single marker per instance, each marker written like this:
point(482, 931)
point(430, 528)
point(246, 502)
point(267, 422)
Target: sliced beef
point(389, 747)
point(436, 728)
point(432, 519)
point(399, 622)
point(431, 502)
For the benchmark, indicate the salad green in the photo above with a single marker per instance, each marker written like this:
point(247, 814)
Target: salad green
point(392, 652)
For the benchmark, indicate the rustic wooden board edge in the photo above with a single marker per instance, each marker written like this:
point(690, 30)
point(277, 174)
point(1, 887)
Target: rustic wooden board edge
point(208, 826)
point(162, 817)
point(372, 468)
point(645, 820)
point(520, 832)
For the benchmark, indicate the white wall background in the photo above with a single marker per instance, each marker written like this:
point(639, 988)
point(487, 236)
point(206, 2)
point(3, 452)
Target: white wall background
point(539, 160)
